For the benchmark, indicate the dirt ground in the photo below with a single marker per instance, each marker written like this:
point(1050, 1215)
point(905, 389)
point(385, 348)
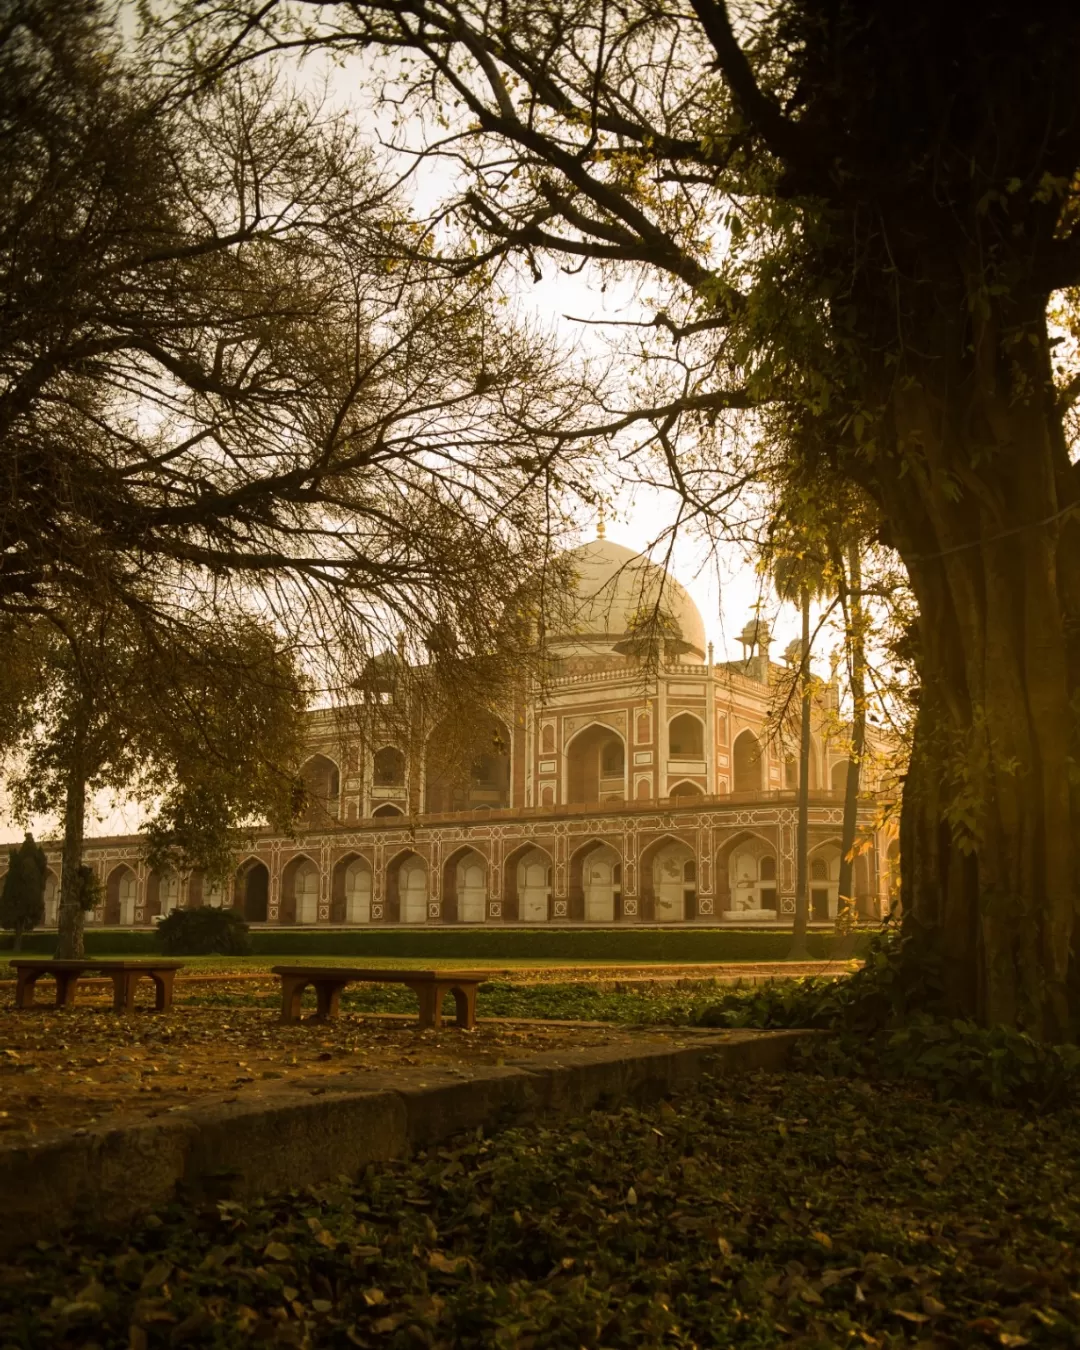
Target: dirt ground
point(70, 1068)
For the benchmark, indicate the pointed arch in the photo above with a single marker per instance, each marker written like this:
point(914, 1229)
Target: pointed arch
point(595, 764)
point(407, 887)
point(321, 777)
point(468, 772)
point(747, 763)
point(686, 788)
point(686, 736)
point(667, 878)
point(251, 889)
point(352, 885)
point(300, 891)
point(596, 882)
point(527, 884)
point(465, 885)
point(121, 895)
point(388, 811)
point(746, 876)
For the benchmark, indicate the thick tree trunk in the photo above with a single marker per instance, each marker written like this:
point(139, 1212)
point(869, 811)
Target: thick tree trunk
point(799, 950)
point(70, 919)
point(857, 650)
point(989, 817)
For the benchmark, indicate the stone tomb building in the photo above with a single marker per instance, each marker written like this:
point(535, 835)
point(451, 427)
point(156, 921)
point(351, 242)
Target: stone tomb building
point(622, 792)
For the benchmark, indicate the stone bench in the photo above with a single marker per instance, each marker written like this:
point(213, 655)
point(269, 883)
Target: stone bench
point(124, 975)
point(430, 986)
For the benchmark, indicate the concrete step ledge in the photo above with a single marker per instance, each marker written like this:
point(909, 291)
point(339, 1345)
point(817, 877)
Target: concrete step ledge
point(302, 1131)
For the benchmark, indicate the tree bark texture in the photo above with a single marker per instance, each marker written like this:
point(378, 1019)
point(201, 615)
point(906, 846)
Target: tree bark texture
point(799, 950)
point(70, 919)
point(989, 816)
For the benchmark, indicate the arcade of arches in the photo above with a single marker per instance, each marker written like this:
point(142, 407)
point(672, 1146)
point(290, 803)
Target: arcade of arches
point(653, 876)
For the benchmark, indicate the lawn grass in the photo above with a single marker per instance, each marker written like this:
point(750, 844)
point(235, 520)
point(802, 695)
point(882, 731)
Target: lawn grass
point(758, 1211)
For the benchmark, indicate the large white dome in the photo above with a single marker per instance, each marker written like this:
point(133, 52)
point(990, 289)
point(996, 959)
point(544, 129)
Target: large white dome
point(613, 586)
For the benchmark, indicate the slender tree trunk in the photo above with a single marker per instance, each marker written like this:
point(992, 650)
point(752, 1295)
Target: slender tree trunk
point(70, 919)
point(799, 950)
point(857, 651)
point(16, 941)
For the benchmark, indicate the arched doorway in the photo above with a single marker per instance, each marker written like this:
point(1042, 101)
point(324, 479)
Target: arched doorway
point(465, 887)
point(388, 812)
point(299, 892)
point(253, 891)
point(686, 737)
point(407, 889)
point(322, 784)
point(824, 881)
point(121, 891)
point(751, 876)
point(596, 766)
point(527, 885)
point(686, 791)
point(162, 893)
point(596, 883)
point(674, 882)
point(746, 763)
point(350, 890)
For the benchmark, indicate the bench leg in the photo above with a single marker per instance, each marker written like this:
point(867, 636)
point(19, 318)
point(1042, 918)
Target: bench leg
point(66, 980)
point(163, 989)
point(431, 997)
point(327, 1000)
point(465, 1003)
point(124, 982)
point(292, 991)
point(24, 988)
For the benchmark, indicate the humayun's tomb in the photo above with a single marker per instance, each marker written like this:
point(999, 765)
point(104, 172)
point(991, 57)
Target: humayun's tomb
point(608, 796)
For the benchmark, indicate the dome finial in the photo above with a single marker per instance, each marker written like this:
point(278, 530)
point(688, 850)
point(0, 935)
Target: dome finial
point(601, 529)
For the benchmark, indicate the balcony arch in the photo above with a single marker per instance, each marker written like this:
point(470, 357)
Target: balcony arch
point(686, 737)
point(596, 765)
point(746, 763)
point(321, 778)
point(467, 771)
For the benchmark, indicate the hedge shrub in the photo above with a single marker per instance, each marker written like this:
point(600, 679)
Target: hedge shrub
point(210, 930)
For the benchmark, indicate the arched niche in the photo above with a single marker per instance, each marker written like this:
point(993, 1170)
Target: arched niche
point(351, 889)
point(686, 737)
point(252, 890)
point(299, 891)
point(686, 791)
point(465, 887)
point(407, 889)
point(746, 877)
point(388, 767)
point(596, 883)
point(164, 890)
point(596, 766)
point(470, 771)
point(746, 763)
point(322, 784)
point(527, 879)
point(667, 872)
point(121, 893)
point(823, 862)
point(388, 812)
point(838, 777)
